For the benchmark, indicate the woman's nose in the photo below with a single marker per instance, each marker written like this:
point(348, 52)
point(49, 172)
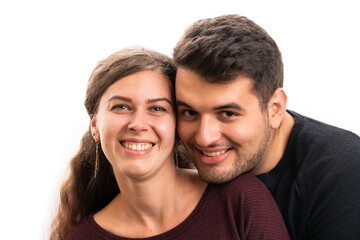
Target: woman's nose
point(138, 122)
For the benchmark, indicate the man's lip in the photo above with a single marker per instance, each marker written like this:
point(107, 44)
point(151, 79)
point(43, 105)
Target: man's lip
point(213, 153)
point(214, 156)
point(212, 149)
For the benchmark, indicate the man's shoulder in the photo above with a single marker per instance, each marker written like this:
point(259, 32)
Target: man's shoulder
point(323, 140)
point(324, 165)
point(318, 130)
point(324, 152)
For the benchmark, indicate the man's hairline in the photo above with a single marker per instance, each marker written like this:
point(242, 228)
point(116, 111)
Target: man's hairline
point(225, 82)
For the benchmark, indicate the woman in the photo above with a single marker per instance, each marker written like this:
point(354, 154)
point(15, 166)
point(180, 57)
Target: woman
point(125, 182)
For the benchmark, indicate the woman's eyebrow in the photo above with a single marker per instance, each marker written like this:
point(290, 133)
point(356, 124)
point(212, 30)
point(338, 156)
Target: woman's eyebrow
point(158, 100)
point(117, 97)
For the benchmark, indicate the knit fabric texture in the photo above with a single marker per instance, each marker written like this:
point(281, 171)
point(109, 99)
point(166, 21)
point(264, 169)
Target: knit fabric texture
point(240, 209)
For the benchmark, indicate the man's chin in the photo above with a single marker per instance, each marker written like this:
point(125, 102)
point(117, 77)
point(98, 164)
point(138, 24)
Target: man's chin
point(217, 176)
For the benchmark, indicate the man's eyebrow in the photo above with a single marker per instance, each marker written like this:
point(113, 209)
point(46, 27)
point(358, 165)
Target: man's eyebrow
point(117, 97)
point(158, 100)
point(183, 104)
point(225, 106)
point(229, 106)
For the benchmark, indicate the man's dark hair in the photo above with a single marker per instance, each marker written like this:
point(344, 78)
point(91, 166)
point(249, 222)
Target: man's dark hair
point(223, 48)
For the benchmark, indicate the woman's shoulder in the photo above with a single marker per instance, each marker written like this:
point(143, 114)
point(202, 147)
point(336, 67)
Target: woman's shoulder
point(245, 186)
point(245, 181)
point(248, 196)
point(85, 229)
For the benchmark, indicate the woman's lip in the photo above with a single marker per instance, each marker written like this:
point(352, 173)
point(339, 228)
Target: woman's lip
point(137, 148)
point(136, 140)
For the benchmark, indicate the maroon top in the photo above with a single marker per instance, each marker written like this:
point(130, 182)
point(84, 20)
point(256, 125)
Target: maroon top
point(240, 209)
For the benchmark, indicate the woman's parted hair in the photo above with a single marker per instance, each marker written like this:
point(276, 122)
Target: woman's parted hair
point(121, 64)
point(81, 193)
point(223, 48)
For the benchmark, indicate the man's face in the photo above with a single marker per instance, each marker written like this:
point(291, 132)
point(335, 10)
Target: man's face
point(221, 125)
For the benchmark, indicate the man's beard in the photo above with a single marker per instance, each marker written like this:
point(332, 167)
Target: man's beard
point(215, 174)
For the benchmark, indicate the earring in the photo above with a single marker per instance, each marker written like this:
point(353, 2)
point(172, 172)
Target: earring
point(96, 160)
point(96, 157)
point(177, 162)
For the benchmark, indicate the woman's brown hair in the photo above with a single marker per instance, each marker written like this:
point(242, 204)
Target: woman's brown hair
point(82, 193)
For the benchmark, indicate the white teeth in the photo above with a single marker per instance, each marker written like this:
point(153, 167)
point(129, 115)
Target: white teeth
point(213, 154)
point(137, 147)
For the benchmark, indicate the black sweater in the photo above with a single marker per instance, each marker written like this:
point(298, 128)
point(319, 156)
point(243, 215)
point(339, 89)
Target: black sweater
point(316, 184)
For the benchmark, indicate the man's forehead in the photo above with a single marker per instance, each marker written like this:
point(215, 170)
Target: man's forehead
point(185, 75)
point(186, 85)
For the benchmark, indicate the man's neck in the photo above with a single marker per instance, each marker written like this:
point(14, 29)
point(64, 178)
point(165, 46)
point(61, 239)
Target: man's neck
point(277, 145)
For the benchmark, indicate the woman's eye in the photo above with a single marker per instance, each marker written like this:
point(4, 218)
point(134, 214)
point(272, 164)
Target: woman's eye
point(158, 109)
point(120, 107)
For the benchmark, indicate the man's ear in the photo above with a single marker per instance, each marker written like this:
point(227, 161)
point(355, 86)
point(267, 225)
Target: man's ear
point(277, 108)
point(94, 130)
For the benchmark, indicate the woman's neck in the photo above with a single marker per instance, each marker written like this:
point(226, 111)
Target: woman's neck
point(154, 197)
point(152, 206)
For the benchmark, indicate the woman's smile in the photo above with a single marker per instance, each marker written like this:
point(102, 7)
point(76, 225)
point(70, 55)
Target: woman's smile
point(137, 146)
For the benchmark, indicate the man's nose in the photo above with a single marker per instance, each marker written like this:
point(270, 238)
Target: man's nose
point(208, 132)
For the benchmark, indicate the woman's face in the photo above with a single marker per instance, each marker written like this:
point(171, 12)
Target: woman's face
point(135, 124)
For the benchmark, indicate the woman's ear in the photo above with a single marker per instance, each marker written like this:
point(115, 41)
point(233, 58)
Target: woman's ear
point(94, 130)
point(277, 108)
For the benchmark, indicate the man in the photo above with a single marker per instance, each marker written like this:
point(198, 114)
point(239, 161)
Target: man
point(232, 118)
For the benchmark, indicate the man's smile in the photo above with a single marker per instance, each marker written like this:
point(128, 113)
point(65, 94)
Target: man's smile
point(213, 153)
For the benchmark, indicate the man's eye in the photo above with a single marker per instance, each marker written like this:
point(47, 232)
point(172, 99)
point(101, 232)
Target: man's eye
point(189, 113)
point(228, 114)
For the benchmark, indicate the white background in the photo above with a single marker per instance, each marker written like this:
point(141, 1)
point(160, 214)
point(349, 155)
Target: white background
point(49, 48)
